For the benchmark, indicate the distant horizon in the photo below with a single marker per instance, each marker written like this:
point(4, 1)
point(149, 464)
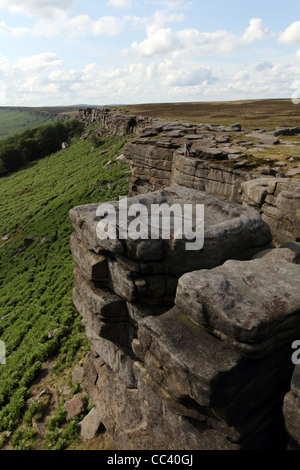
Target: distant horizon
point(140, 104)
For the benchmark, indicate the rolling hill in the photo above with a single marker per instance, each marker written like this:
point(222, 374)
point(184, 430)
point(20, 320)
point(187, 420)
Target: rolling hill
point(15, 120)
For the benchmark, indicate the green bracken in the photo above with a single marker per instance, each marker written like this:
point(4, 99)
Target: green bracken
point(36, 282)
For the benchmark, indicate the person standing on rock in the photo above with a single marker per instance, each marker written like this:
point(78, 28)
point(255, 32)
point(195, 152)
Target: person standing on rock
point(188, 147)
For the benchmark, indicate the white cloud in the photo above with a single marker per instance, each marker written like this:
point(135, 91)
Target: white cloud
point(44, 79)
point(217, 42)
point(160, 42)
point(37, 62)
point(4, 64)
point(43, 8)
point(108, 25)
point(184, 74)
point(194, 42)
point(241, 75)
point(15, 31)
point(54, 19)
point(291, 35)
point(81, 25)
point(27, 80)
point(162, 17)
point(78, 25)
point(62, 76)
point(120, 3)
point(255, 31)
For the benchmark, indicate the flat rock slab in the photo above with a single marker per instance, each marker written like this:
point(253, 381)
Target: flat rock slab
point(230, 230)
point(253, 305)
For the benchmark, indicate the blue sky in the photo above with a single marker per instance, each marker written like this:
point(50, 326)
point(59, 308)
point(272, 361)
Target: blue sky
point(62, 52)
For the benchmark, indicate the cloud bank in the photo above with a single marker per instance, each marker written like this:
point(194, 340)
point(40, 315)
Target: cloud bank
point(120, 57)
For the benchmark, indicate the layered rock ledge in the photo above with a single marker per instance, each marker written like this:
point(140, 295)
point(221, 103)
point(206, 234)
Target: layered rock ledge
point(189, 349)
point(225, 161)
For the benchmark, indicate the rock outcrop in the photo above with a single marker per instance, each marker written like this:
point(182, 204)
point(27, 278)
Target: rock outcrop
point(191, 348)
point(278, 200)
point(176, 366)
point(221, 164)
point(110, 119)
point(254, 312)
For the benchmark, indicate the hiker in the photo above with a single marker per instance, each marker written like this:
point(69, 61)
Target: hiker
point(188, 147)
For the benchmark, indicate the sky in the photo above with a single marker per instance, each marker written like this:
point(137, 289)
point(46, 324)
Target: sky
point(69, 52)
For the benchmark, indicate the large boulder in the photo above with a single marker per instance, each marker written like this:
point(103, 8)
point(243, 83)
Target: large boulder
point(253, 305)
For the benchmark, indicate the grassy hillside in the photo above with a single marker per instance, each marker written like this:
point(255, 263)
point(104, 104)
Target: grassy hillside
point(15, 120)
point(36, 283)
point(266, 114)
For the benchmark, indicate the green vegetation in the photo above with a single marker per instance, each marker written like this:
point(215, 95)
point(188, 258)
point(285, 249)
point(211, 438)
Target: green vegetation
point(36, 282)
point(13, 121)
point(36, 143)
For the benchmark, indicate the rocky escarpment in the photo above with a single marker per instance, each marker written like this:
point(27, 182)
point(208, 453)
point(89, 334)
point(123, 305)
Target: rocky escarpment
point(228, 162)
point(191, 349)
point(110, 119)
point(232, 162)
point(182, 343)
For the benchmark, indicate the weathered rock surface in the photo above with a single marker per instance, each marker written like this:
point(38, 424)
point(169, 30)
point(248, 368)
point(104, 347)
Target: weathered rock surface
point(93, 267)
point(147, 355)
point(90, 425)
point(291, 409)
point(211, 177)
point(77, 374)
point(111, 120)
point(229, 231)
point(178, 405)
point(75, 407)
point(172, 347)
point(278, 201)
point(235, 303)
